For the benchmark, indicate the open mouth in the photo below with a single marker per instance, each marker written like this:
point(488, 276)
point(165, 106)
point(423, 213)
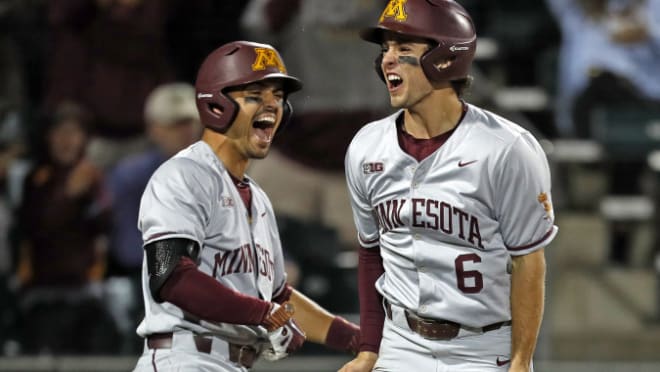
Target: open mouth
point(393, 81)
point(264, 127)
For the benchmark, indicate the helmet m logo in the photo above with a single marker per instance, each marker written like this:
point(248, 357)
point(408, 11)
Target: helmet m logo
point(396, 10)
point(267, 58)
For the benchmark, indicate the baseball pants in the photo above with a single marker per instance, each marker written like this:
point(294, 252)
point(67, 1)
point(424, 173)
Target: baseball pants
point(471, 351)
point(183, 356)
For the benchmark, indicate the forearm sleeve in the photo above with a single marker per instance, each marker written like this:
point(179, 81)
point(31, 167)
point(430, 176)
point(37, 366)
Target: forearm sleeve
point(202, 296)
point(372, 315)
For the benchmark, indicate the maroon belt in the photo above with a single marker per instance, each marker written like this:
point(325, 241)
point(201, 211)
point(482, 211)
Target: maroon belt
point(244, 355)
point(439, 330)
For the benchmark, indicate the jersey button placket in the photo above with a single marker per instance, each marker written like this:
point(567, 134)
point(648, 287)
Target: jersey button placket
point(416, 176)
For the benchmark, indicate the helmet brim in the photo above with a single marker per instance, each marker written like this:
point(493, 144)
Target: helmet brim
point(378, 34)
point(372, 34)
point(290, 84)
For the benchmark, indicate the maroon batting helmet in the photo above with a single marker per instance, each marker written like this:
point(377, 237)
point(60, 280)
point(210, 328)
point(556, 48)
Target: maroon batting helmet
point(444, 22)
point(234, 64)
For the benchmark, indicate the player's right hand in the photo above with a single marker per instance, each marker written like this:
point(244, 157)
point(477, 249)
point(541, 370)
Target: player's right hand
point(278, 316)
point(364, 362)
point(284, 341)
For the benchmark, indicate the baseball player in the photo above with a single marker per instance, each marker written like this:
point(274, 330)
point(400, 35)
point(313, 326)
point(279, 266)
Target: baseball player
point(453, 209)
point(214, 285)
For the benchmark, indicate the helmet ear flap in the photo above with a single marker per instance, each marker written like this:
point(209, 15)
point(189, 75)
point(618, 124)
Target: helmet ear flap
point(378, 62)
point(219, 121)
point(459, 56)
point(287, 113)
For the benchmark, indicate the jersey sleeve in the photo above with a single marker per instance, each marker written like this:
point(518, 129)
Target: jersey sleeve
point(523, 198)
point(173, 206)
point(367, 228)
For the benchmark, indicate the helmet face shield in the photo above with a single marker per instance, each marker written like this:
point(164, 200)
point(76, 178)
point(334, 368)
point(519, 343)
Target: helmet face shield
point(444, 22)
point(232, 65)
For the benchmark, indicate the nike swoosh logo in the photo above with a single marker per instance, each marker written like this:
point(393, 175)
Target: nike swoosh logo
point(502, 362)
point(463, 164)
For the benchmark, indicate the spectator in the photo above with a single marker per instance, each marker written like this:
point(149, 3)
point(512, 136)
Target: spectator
point(173, 124)
point(108, 55)
point(609, 57)
point(63, 219)
point(609, 54)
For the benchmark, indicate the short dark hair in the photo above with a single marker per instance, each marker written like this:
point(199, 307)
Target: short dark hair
point(461, 86)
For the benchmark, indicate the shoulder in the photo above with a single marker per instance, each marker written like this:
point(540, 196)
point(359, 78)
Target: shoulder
point(494, 131)
point(192, 167)
point(372, 134)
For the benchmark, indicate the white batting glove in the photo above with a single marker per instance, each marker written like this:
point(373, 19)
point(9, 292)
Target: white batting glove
point(284, 341)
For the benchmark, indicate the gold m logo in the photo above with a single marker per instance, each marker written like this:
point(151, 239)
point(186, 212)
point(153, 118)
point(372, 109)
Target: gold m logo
point(267, 58)
point(396, 10)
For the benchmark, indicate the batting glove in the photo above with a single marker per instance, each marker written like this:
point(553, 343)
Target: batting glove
point(284, 341)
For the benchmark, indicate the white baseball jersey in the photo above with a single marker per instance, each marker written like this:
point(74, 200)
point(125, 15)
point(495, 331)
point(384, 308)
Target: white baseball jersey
point(448, 225)
point(192, 196)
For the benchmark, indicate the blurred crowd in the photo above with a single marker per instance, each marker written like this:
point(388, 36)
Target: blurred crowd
point(96, 94)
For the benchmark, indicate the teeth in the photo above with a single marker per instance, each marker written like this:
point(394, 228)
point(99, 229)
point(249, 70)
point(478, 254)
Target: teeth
point(392, 77)
point(267, 118)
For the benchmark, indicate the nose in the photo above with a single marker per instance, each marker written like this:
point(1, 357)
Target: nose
point(271, 100)
point(388, 58)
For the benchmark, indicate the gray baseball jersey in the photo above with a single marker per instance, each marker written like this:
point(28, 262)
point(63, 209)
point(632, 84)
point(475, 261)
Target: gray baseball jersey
point(447, 225)
point(192, 196)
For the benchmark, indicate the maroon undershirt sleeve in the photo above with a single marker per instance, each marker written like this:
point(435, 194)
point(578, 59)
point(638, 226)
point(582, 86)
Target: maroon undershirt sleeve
point(284, 295)
point(202, 296)
point(372, 315)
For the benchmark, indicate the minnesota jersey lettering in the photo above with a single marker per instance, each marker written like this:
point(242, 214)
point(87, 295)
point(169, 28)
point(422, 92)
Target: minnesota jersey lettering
point(238, 260)
point(241, 260)
point(431, 214)
point(389, 214)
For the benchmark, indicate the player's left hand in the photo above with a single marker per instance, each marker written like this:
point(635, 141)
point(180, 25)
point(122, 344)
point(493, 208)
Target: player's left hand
point(364, 362)
point(284, 341)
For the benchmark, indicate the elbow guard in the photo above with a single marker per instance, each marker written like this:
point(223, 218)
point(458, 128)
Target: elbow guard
point(162, 258)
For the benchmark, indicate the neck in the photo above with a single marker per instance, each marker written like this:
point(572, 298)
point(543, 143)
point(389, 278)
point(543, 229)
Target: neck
point(436, 114)
point(225, 150)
